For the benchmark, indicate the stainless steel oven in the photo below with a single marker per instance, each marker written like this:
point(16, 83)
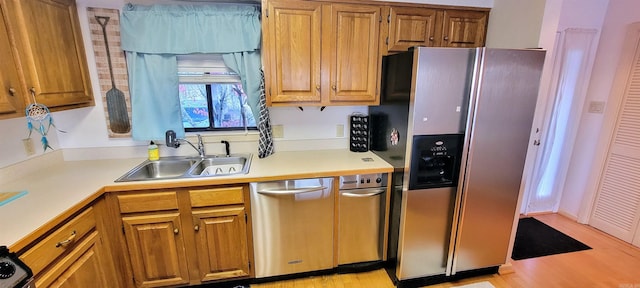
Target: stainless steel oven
point(13, 272)
point(361, 217)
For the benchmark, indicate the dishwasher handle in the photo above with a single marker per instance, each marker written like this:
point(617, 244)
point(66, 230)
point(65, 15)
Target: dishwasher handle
point(369, 193)
point(291, 191)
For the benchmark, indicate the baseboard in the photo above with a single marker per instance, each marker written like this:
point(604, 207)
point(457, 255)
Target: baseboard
point(567, 215)
point(505, 269)
point(532, 214)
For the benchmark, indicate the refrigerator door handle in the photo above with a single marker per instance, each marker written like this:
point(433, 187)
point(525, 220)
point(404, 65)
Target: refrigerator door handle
point(292, 191)
point(460, 191)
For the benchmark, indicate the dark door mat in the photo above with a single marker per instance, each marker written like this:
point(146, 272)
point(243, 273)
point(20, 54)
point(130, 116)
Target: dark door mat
point(536, 239)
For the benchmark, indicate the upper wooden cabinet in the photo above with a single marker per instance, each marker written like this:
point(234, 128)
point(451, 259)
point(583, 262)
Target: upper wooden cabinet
point(47, 38)
point(410, 26)
point(319, 53)
point(354, 55)
point(11, 101)
point(464, 28)
point(291, 52)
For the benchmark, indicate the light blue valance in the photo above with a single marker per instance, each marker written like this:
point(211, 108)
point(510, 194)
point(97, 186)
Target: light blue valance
point(152, 37)
point(187, 29)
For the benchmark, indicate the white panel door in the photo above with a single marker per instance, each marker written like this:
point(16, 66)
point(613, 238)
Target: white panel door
point(617, 205)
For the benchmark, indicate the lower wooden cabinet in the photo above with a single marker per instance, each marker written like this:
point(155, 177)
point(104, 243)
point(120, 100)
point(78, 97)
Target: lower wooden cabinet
point(74, 254)
point(221, 242)
point(156, 249)
point(186, 236)
point(83, 267)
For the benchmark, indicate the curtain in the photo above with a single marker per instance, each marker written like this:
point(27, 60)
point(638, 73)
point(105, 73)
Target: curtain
point(156, 106)
point(152, 36)
point(244, 64)
point(187, 29)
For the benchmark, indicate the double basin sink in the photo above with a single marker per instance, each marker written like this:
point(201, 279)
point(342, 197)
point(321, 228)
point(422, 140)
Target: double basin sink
point(180, 167)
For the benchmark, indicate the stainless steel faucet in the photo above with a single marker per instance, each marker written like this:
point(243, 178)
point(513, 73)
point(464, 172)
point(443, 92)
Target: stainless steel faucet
point(173, 141)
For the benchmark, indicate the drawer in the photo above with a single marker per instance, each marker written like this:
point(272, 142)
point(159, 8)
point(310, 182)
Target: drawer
point(61, 240)
point(148, 202)
point(216, 196)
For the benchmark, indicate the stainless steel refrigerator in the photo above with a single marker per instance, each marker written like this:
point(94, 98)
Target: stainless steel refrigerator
point(455, 123)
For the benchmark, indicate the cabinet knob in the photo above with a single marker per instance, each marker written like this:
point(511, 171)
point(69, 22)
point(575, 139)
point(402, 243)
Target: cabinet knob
point(318, 87)
point(176, 231)
point(446, 38)
point(431, 38)
point(12, 91)
point(197, 228)
point(334, 87)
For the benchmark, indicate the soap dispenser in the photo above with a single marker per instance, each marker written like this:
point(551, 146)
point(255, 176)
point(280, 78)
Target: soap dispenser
point(154, 153)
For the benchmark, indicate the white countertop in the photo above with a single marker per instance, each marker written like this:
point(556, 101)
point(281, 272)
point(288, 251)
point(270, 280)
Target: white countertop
point(60, 186)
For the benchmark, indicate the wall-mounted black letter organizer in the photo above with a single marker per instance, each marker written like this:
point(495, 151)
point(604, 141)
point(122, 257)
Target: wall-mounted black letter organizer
point(359, 133)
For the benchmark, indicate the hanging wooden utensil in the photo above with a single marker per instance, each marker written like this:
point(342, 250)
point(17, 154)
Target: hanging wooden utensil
point(116, 103)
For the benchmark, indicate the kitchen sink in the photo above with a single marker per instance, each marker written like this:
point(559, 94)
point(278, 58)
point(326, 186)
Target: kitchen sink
point(220, 166)
point(177, 167)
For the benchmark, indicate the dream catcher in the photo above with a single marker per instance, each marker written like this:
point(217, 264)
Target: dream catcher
point(40, 120)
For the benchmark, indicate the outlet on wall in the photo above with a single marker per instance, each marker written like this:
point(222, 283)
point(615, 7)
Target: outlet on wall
point(596, 107)
point(278, 131)
point(28, 147)
point(339, 131)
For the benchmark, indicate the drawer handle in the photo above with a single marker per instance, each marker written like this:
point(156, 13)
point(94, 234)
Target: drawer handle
point(68, 241)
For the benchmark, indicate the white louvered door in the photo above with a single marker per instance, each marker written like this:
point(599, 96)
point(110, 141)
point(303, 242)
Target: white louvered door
point(617, 205)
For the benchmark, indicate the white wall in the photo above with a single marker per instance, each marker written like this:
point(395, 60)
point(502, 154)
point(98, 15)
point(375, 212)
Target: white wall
point(579, 188)
point(87, 136)
point(515, 23)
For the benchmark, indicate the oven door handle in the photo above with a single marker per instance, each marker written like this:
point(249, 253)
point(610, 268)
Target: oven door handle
point(373, 192)
point(292, 191)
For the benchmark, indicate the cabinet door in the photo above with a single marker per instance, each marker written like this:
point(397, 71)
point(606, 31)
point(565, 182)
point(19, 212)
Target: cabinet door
point(156, 249)
point(11, 101)
point(354, 55)
point(52, 52)
point(465, 29)
point(221, 241)
point(84, 266)
point(411, 26)
point(292, 32)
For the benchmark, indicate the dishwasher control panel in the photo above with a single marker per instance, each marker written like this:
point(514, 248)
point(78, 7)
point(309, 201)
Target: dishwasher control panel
point(363, 181)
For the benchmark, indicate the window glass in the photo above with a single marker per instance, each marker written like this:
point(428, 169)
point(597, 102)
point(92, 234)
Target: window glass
point(211, 95)
point(194, 105)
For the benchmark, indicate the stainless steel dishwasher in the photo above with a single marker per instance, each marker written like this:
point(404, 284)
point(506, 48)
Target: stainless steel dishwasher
point(292, 226)
point(361, 218)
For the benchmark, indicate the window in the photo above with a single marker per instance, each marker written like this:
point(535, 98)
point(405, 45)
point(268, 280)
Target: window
point(211, 95)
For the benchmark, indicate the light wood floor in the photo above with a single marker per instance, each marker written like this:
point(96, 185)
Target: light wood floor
point(611, 263)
